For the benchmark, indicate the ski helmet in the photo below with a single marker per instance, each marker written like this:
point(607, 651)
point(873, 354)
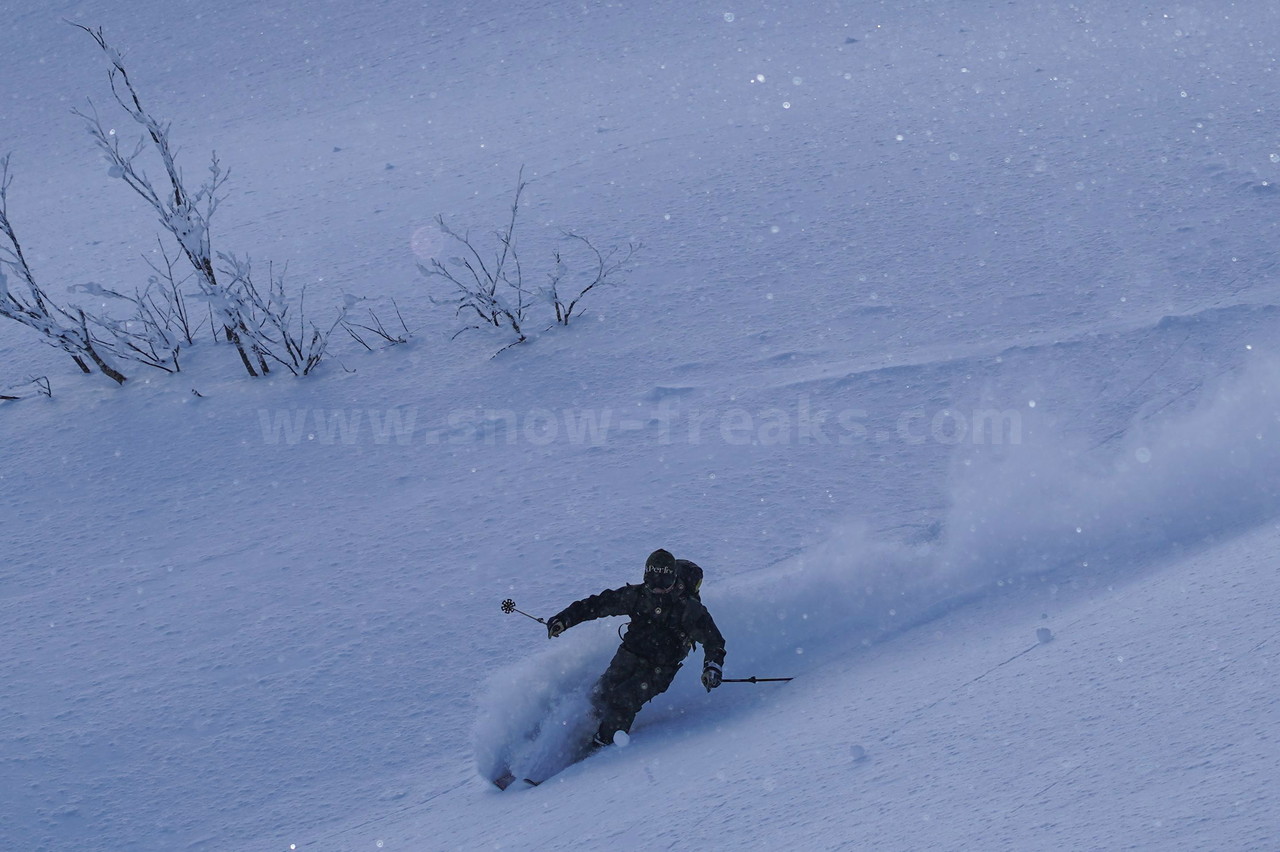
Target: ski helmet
point(660, 570)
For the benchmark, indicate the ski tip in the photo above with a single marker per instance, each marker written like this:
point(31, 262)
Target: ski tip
point(506, 779)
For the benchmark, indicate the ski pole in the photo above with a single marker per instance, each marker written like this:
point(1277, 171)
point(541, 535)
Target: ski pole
point(509, 606)
point(754, 679)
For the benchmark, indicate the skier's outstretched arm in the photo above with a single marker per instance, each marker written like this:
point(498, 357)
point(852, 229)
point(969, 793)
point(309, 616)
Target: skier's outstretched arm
point(608, 602)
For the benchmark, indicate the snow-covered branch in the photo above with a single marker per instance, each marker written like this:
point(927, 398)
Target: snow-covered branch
point(64, 328)
point(184, 214)
point(299, 345)
point(375, 327)
point(602, 270)
point(488, 284)
point(257, 323)
point(34, 386)
point(492, 290)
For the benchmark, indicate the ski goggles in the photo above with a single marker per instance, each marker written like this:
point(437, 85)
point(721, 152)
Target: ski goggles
point(659, 578)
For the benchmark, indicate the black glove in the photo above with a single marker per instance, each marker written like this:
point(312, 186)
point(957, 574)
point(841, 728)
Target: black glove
point(556, 626)
point(711, 676)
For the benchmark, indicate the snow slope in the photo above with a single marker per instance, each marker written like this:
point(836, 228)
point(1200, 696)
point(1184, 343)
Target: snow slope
point(1147, 721)
point(954, 321)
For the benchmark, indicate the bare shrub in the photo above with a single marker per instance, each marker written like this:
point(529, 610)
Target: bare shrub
point(255, 321)
point(488, 285)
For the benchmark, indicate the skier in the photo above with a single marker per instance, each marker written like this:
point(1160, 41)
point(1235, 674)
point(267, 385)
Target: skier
point(667, 618)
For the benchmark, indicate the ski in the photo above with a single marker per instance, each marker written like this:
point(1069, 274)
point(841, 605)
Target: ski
point(507, 778)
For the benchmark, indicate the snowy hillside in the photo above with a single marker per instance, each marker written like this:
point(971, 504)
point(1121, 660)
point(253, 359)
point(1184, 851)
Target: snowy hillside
point(955, 323)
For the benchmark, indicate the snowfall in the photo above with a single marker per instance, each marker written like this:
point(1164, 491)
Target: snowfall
point(951, 354)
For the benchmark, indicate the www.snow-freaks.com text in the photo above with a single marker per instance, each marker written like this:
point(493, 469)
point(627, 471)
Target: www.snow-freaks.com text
point(803, 424)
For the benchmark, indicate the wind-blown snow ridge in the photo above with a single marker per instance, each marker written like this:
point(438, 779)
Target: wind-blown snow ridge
point(795, 371)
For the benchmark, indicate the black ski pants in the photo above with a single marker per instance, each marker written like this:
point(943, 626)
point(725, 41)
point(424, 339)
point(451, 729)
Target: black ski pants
point(623, 689)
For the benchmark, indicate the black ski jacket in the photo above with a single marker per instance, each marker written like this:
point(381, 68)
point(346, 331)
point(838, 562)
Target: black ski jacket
point(663, 626)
